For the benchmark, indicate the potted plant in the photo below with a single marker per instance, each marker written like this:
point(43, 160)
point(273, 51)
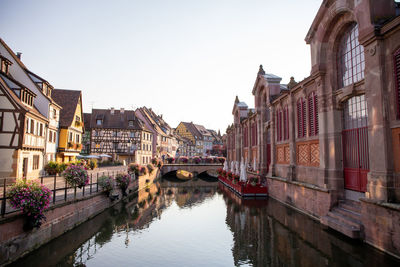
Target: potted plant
point(32, 199)
point(196, 160)
point(143, 170)
point(134, 168)
point(123, 182)
point(235, 179)
point(154, 161)
point(183, 160)
point(170, 160)
point(76, 175)
point(230, 175)
point(106, 183)
point(52, 168)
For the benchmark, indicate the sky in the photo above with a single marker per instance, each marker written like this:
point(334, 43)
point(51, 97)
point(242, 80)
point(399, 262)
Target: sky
point(185, 59)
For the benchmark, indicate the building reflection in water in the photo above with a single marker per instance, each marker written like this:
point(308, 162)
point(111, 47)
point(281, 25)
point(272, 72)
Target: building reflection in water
point(265, 232)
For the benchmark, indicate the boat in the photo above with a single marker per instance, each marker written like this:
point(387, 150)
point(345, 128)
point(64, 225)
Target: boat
point(184, 175)
point(245, 189)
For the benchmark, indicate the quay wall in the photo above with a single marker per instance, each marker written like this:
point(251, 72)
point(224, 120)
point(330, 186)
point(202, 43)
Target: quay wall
point(15, 242)
point(307, 198)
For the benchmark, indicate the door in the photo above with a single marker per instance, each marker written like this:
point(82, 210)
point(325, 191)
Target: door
point(355, 144)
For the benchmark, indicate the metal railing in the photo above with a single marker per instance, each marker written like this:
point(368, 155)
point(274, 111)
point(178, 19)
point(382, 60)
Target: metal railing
point(60, 190)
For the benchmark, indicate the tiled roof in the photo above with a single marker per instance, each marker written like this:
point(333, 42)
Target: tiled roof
point(86, 120)
point(193, 130)
point(68, 100)
point(118, 120)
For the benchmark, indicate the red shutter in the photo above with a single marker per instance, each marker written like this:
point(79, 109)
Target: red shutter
point(299, 118)
point(304, 117)
point(316, 114)
point(311, 115)
point(397, 80)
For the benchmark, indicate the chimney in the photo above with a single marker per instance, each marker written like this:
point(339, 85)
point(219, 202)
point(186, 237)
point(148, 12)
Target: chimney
point(19, 54)
point(122, 110)
point(112, 111)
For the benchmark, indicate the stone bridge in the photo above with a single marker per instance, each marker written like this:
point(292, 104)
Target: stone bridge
point(193, 168)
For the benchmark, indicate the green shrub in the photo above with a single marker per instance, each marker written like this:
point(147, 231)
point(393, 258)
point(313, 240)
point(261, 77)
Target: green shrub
point(106, 183)
point(52, 168)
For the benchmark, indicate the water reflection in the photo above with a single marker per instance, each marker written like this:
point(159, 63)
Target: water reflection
point(202, 223)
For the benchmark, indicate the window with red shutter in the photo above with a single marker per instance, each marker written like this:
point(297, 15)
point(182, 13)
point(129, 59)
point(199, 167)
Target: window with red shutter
point(313, 114)
point(397, 79)
point(285, 123)
point(301, 118)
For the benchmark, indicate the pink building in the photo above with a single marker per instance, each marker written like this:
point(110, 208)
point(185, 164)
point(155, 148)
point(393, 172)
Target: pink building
point(330, 145)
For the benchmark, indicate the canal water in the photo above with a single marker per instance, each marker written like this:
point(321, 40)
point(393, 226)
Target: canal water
point(201, 223)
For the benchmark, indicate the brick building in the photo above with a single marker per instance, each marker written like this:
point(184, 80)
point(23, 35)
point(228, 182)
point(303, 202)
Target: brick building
point(329, 145)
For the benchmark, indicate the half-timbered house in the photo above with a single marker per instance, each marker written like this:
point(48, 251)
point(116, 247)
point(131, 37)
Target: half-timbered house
point(120, 134)
point(22, 130)
point(71, 124)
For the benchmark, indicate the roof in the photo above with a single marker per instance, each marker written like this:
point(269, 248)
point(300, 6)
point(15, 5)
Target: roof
point(86, 120)
point(202, 130)
point(68, 100)
point(33, 110)
point(193, 130)
point(158, 123)
point(118, 120)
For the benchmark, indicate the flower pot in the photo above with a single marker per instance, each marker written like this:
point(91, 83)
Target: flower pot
point(31, 222)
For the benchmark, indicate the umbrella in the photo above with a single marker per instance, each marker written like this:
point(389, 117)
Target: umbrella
point(88, 156)
point(237, 168)
point(243, 174)
point(232, 166)
point(226, 168)
point(105, 156)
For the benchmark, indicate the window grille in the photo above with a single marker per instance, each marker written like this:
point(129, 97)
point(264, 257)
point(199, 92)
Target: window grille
point(351, 59)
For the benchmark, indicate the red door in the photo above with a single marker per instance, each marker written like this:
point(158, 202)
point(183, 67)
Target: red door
point(355, 144)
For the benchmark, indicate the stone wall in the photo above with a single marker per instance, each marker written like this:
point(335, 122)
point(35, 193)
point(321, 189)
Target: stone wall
point(381, 225)
point(309, 199)
point(15, 242)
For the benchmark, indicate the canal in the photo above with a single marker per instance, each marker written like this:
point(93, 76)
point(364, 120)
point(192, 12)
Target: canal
point(201, 223)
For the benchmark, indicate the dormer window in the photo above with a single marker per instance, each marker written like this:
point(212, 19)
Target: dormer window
point(130, 123)
point(4, 64)
point(99, 121)
point(27, 97)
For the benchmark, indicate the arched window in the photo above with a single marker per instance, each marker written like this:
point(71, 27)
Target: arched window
point(351, 62)
point(301, 118)
point(313, 114)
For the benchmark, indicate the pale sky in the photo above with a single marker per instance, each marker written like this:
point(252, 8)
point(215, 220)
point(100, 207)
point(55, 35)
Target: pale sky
point(186, 59)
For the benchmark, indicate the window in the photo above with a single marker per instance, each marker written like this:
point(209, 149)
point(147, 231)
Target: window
point(130, 123)
point(355, 113)
point(40, 133)
point(70, 137)
point(351, 62)
point(35, 162)
point(54, 113)
point(77, 138)
point(32, 123)
point(54, 136)
point(301, 118)
point(115, 133)
point(115, 146)
point(77, 118)
point(286, 123)
point(313, 114)
point(50, 136)
point(279, 125)
point(397, 79)
point(132, 134)
point(98, 122)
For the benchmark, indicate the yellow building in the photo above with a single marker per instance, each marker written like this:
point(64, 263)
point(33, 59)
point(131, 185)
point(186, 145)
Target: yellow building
point(71, 124)
point(189, 130)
